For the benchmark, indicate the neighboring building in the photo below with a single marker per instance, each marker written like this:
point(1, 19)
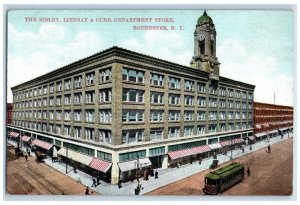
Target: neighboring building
point(118, 106)
point(271, 120)
point(9, 110)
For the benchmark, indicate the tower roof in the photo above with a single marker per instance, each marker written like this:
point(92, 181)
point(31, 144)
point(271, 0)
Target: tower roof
point(204, 18)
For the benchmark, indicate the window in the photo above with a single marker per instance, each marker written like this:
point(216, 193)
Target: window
point(89, 134)
point(201, 115)
point(237, 115)
point(156, 115)
point(174, 115)
point(51, 88)
point(188, 131)
point(222, 127)
point(67, 130)
point(230, 103)
point(90, 78)
point(237, 94)
point(222, 91)
point(188, 85)
point(174, 99)
point(174, 83)
point(201, 87)
point(173, 132)
point(45, 102)
point(244, 115)
point(201, 130)
point(230, 92)
point(250, 96)
point(222, 103)
point(212, 102)
point(39, 103)
point(44, 115)
point(237, 104)
point(156, 133)
point(105, 95)
point(77, 98)
point(244, 125)
point(188, 100)
point(250, 116)
point(51, 128)
point(39, 115)
point(58, 86)
point(105, 75)
point(188, 115)
point(212, 128)
point(230, 115)
point(77, 115)
point(90, 97)
point(244, 95)
point(51, 115)
point(58, 100)
point(212, 115)
point(133, 116)
point(45, 89)
point(132, 136)
point(105, 136)
point(230, 126)
point(89, 115)
point(68, 100)
point(201, 101)
point(67, 115)
point(68, 84)
point(40, 92)
point(51, 101)
point(156, 79)
point(222, 115)
point(237, 126)
point(78, 81)
point(105, 116)
point(250, 106)
point(133, 75)
point(212, 89)
point(244, 105)
point(132, 155)
point(77, 131)
point(57, 129)
point(157, 97)
point(132, 95)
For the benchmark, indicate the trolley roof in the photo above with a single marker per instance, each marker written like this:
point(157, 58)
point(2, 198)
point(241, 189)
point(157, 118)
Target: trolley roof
point(224, 171)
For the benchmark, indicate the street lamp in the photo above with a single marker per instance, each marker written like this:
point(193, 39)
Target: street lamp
point(137, 174)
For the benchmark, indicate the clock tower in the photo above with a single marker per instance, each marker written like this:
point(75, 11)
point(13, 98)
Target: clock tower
point(205, 47)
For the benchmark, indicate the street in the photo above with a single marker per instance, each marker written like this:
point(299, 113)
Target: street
point(271, 174)
point(32, 178)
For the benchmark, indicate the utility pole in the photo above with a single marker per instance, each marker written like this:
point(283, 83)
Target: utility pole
point(67, 157)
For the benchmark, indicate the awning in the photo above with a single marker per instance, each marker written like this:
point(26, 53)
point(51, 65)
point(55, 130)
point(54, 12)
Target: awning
point(131, 165)
point(25, 138)
point(215, 146)
point(14, 134)
point(188, 152)
point(260, 134)
point(251, 138)
point(230, 142)
point(283, 129)
point(100, 165)
point(76, 156)
point(273, 131)
point(42, 144)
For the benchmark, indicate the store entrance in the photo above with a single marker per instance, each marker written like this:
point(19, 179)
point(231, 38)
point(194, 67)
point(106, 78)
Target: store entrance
point(156, 161)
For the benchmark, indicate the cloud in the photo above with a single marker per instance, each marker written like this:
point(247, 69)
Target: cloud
point(161, 44)
point(262, 71)
point(35, 53)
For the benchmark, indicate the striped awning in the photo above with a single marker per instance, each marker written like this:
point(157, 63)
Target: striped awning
point(260, 134)
point(100, 165)
point(132, 165)
point(189, 152)
point(42, 144)
point(25, 138)
point(230, 142)
point(14, 134)
point(215, 146)
point(273, 131)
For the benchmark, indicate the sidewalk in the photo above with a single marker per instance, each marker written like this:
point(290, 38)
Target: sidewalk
point(165, 176)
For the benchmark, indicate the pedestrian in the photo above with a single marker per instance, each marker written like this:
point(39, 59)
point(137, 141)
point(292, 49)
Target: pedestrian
point(243, 148)
point(26, 157)
point(151, 171)
point(75, 168)
point(269, 149)
point(94, 183)
point(28, 152)
point(120, 183)
point(156, 174)
point(191, 160)
point(248, 171)
point(145, 175)
point(200, 160)
point(87, 191)
point(98, 179)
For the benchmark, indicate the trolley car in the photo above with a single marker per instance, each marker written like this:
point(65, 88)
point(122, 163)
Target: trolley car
point(223, 178)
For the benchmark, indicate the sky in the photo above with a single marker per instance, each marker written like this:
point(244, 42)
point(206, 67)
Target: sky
point(254, 46)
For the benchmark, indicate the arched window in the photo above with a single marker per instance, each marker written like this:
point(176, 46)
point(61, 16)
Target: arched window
point(202, 47)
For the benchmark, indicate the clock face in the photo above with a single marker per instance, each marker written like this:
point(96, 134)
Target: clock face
point(212, 37)
point(201, 37)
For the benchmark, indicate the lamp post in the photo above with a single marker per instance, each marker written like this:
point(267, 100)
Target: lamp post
point(137, 174)
point(67, 147)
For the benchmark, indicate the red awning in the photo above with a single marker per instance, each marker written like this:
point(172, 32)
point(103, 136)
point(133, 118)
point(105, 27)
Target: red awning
point(100, 165)
point(42, 144)
point(13, 134)
point(188, 152)
point(25, 138)
point(233, 141)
